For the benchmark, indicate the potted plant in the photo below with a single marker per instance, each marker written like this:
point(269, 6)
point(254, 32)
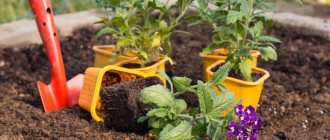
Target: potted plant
point(229, 21)
point(238, 28)
point(140, 33)
point(170, 119)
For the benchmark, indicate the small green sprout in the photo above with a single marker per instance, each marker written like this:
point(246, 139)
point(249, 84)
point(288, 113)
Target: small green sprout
point(169, 117)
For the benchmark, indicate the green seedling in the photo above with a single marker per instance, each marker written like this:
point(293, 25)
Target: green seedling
point(135, 28)
point(238, 26)
point(169, 117)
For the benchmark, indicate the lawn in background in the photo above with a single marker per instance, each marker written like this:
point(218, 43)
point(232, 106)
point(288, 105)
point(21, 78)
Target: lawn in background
point(11, 10)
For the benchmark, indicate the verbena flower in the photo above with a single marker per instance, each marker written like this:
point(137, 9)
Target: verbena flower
point(247, 126)
point(239, 109)
point(233, 129)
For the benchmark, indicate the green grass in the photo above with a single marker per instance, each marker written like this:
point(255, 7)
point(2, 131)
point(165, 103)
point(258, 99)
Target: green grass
point(11, 10)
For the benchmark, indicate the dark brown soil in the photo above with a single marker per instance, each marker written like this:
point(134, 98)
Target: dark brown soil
point(122, 106)
point(238, 75)
point(134, 65)
point(295, 103)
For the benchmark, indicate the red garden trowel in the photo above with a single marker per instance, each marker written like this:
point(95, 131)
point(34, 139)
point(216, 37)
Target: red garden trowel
point(59, 93)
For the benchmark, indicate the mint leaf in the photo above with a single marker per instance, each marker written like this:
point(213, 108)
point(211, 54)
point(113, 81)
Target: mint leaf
point(158, 112)
point(180, 132)
point(181, 84)
point(158, 95)
point(142, 119)
point(180, 105)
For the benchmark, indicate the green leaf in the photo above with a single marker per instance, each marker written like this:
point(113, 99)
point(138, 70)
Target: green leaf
point(124, 42)
point(168, 46)
point(268, 53)
point(104, 31)
point(220, 75)
point(180, 105)
point(163, 26)
point(218, 134)
point(257, 29)
point(119, 23)
point(263, 18)
point(183, 4)
point(246, 71)
point(233, 16)
point(181, 84)
point(114, 58)
point(210, 48)
point(222, 102)
point(204, 98)
point(214, 45)
point(156, 124)
point(142, 55)
point(269, 39)
point(244, 7)
point(157, 94)
point(142, 119)
point(164, 75)
point(132, 21)
point(181, 132)
point(243, 52)
point(158, 112)
point(199, 130)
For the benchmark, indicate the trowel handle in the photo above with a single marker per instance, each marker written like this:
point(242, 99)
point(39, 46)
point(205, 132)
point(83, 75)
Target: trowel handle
point(46, 24)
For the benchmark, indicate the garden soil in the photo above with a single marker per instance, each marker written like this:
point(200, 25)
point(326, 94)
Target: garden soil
point(295, 103)
point(126, 96)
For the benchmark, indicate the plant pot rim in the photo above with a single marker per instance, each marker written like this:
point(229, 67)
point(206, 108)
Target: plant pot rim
point(162, 60)
point(265, 76)
point(101, 50)
point(252, 52)
point(95, 93)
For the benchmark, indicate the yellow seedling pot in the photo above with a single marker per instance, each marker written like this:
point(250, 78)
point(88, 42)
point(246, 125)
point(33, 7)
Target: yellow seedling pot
point(98, 78)
point(249, 91)
point(104, 53)
point(221, 54)
point(150, 70)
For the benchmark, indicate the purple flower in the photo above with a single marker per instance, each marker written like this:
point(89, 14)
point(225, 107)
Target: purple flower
point(243, 134)
point(255, 123)
point(239, 109)
point(233, 129)
point(253, 136)
point(250, 111)
point(244, 118)
point(248, 124)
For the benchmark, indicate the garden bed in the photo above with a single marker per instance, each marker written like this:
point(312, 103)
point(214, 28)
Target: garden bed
point(295, 102)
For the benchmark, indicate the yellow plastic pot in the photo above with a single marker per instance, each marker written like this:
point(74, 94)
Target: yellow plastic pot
point(221, 54)
point(95, 80)
point(105, 52)
point(249, 91)
point(150, 70)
